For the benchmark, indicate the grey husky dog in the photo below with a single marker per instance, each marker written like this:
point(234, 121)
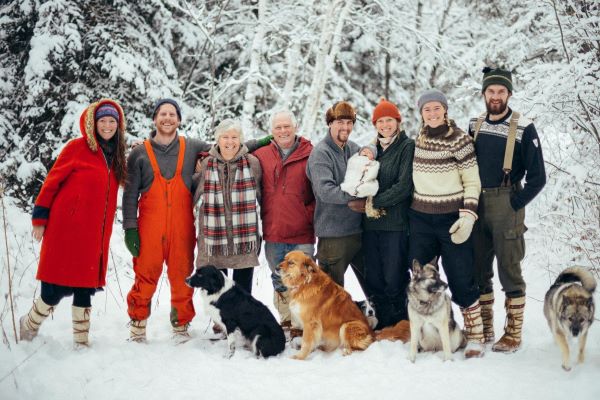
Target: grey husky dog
point(432, 324)
point(569, 309)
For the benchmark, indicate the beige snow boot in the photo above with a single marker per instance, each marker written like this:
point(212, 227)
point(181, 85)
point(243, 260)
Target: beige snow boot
point(281, 300)
point(181, 334)
point(511, 340)
point(29, 324)
point(137, 331)
point(473, 330)
point(81, 325)
point(487, 316)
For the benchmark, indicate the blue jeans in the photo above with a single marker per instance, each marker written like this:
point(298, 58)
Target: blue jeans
point(275, 252)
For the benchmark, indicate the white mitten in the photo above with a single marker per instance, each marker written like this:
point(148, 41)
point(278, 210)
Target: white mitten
point(461, 229)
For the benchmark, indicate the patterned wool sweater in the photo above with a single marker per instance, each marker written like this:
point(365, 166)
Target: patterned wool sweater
point(445, 172)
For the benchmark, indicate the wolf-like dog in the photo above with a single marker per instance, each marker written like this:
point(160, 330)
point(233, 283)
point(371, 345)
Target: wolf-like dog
point(432, 324)
point(569, 308)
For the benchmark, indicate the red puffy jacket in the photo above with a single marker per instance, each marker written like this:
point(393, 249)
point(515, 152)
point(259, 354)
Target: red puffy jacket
point(81, 193)
point(288, 203)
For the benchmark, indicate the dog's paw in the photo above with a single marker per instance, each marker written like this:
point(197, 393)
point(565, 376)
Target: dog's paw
point(346, 351)
point(566, 367)
point(296, 343)
point(412, 358)
point(298, 357)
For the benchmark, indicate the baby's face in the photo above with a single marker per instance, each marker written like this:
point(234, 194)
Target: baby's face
point(368, 153)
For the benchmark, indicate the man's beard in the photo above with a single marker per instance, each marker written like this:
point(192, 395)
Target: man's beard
point(496, 109)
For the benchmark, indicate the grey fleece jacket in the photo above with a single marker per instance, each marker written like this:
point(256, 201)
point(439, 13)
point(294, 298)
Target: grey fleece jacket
point(140, 175)
point(326, 169)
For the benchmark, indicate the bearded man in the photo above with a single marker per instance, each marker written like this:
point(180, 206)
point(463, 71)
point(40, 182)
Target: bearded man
point(508, 149)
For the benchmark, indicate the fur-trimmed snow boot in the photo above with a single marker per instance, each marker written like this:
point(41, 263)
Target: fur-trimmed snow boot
point(137, 331)
point(473, 330)
point(29, 324)
point(487, 316)
point(511, 340)
point(81, 325)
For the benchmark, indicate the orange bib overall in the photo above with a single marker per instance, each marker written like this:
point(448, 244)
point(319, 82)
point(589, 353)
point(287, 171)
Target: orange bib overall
point(167, 234)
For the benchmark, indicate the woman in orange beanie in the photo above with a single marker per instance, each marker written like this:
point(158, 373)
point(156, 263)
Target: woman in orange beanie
point(385, 239)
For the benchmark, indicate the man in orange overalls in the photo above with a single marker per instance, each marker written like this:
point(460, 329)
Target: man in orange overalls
point(158, 218)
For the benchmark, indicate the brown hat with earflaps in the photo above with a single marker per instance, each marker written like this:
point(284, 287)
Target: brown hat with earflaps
point(340, 110)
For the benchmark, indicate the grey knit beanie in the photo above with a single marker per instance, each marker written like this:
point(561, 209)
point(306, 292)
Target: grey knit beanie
point(432, 95)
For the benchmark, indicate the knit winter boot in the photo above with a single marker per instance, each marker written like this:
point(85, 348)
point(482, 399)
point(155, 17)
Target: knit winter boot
point(181, 334)
point(487, 315)
point(137, 331)
point(81, 325)
point(473, 330)
point(281, 300)
point(511, 340)
point(29, 324)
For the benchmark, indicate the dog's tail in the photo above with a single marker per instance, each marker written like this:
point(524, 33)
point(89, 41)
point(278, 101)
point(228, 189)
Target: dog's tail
point(577, 274)
point(400, 331)
point(356, 334)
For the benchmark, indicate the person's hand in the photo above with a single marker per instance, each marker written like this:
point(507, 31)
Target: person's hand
point(357, 205)
point(132, 241)
point(461, 229)
point(38, 232)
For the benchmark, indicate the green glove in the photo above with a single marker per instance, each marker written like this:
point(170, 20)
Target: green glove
point(132, 241)
point(263, 141)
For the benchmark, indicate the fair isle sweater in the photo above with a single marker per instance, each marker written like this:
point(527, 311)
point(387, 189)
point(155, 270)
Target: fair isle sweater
point(445, 172)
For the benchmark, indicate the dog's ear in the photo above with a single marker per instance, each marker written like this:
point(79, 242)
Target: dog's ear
point(416, 266)
point(309, 264)
point(434, 262)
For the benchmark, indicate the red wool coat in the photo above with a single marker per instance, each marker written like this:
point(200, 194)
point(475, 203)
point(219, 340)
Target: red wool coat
point(81, 194)
point(288, 203)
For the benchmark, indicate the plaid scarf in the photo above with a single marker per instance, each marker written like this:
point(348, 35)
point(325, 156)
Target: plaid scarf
point(243, 210)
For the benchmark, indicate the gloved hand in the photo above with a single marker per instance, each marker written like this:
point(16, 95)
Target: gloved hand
point(263, 141)
point(461, 229)
point(357, 205)
point(132, 241)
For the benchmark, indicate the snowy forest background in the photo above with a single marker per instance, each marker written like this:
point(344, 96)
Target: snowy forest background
point(244, 59)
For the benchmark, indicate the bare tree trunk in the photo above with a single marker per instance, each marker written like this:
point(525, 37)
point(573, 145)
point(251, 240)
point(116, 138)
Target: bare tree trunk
point(249, 108)
point(441, 32)
point(386, 90)
point(328, 48)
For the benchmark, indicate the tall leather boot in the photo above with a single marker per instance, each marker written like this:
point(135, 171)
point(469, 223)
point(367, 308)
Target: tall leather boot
point(511, 340)
point(487, 315)
point(29, 324)
point(81, 325)
point(473, 330)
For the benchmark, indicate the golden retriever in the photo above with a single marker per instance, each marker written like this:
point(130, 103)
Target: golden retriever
point(325, 311)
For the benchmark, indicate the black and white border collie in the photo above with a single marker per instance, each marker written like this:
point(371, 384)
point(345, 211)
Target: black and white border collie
point(368, 310)
point(238, 313)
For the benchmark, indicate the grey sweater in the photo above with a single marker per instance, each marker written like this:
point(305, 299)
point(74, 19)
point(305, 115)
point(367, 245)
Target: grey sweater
point(140, 175)
point(326, 169)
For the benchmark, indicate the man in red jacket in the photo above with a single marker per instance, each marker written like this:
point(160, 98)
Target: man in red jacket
point(288, 202)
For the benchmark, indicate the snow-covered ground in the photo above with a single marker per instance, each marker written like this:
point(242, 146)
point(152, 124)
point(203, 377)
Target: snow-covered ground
point(113, 368)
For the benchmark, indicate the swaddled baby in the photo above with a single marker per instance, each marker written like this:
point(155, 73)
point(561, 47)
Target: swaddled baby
point(361, 174)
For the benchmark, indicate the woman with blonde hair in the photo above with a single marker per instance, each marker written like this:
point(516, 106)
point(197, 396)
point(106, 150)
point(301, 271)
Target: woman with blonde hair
point(444, 208)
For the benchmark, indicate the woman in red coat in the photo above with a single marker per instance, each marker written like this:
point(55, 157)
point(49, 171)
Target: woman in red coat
point(73, 214)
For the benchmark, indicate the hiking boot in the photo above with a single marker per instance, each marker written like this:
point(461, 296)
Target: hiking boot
point(181, 334)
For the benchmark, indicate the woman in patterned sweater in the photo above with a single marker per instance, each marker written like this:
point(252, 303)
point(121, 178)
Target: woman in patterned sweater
point(444, 208)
